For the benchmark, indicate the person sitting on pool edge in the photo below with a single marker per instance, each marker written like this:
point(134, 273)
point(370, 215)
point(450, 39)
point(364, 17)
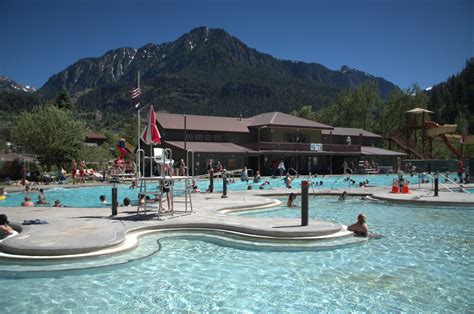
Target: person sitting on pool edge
point(360, 228)
point(5, 229)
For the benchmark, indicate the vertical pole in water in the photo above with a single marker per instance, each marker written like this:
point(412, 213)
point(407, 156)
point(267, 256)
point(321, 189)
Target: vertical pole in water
point(304, 203)
point(114, 200)
point(436, 182)
point(224, 185)
point(211, 181)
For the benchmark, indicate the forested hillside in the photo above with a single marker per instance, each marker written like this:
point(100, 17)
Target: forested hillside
point(453, 100)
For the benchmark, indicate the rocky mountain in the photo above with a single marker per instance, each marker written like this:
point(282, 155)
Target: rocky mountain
point(206, 71)
point(9, 85)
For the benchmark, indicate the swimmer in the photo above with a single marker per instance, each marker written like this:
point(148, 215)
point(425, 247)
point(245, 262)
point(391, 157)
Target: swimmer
point(57, 203)
point(343, 196)
point(42, 197)
point(126, 202)
point(291, 200)
point(360, 228)
point(27, 202)
point(102, 199)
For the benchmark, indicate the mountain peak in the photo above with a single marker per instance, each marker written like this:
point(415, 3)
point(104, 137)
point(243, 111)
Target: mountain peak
point(205, 68)
point(10, 85)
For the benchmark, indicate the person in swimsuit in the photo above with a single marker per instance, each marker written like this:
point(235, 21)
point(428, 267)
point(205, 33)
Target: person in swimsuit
point(5, 229)
point(291, 200)
point(360, 228)
point(82, 172)
point(73, 170)
point(166, 189)
point(28, 202)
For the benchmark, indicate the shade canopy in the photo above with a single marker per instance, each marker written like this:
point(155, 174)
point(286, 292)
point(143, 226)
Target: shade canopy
point(418, 111)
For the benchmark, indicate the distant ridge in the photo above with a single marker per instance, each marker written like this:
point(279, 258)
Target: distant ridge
point(9, 85)
point(205, 71)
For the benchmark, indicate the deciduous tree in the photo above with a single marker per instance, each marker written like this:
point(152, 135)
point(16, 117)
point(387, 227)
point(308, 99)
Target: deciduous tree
point(51, 133)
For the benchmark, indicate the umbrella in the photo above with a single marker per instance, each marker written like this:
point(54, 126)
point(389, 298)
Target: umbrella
point(151, 135)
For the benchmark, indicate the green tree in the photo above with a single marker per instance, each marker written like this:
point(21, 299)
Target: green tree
point(394, 116)
point(63, 101)
point(130, 131)
point(305, 112)
point(51, 133)
point(354, 108)
point(96, 156)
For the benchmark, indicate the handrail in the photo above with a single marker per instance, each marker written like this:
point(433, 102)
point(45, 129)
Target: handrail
point(346, 175)
point(190, 152)
point(448, 179)
point(140, 167)
point(429, 175)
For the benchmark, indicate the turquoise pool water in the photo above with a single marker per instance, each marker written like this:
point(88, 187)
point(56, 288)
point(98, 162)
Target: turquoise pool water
point(423, 263)
point(89, 196)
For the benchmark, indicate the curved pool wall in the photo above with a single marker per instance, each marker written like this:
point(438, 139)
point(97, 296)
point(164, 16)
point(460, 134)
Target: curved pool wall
point(422, 263)
point(88, 196)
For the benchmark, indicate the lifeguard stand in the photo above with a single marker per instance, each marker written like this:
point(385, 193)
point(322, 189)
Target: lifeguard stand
point(162, 160)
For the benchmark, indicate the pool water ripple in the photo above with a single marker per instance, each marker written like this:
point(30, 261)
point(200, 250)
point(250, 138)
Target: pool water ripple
point(423, 263)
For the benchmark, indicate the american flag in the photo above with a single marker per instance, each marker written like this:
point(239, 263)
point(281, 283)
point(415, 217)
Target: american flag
point(136, 92)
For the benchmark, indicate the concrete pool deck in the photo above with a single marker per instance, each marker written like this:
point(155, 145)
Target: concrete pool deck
point(75, 231)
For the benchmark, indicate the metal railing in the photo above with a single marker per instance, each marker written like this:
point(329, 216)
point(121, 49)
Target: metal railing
point(449, 180)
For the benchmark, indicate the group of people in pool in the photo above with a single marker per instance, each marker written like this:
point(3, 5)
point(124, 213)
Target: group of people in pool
point(27, 202)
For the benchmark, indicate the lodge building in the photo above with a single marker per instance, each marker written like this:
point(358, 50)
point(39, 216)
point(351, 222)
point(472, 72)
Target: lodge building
point(262, 141)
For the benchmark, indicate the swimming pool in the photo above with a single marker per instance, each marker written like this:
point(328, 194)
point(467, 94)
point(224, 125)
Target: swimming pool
point(423, 263)
point(89, 196)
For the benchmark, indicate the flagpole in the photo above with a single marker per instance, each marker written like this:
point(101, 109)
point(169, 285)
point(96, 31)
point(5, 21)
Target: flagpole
point(138, 128)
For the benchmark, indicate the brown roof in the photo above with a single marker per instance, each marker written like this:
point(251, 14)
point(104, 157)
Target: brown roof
point(93, 135)
point(211, 147)
point(375, 151)
point(285, 120)
point(171, 121)
point(350, 132)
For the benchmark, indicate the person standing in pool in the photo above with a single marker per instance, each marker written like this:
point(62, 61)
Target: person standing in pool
point(291, 200)
point(360, 228)
point(103, 199)
point(27, 202)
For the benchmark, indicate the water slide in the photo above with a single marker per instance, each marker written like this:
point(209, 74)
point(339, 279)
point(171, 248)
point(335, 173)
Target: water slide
point(434, 130)
point(408, 146)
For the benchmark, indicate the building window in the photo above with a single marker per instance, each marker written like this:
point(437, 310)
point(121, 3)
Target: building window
point(208, 138)
point(189, 137)
point(217, 138)
point(198, 137)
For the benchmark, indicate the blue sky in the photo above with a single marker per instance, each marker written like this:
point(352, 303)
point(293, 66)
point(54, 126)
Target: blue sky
point(406, 42)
